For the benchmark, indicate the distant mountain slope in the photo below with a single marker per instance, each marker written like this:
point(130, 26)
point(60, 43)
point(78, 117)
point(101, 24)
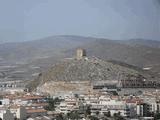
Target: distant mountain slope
point(142, 42)
point(143, 50)
point(140, 56)
point(44, 52)
point(46, 47)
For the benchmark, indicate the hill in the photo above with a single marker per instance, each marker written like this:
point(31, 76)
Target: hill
point(142, 42)
point(27, 59)
point(135, 55)
point(87, 69)
point(46, 47)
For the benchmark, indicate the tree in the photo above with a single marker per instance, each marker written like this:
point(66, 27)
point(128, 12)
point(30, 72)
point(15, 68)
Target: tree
point(97, 113)
point(51, 104)
point(108, 114)
point(58, 117)
point(57, 100)
point(117, 116)
point(73, 115)
point(93, 118)
point(68, 115)
point(76, 95)
point(157, 116)
point(114, 93)
point(88, 111)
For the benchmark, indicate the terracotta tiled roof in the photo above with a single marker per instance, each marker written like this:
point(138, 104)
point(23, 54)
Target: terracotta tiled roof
point(32, 97)
point(134, 101)
point(36, 111)
point(15, 107)
point(39, 104)
point(114, 97)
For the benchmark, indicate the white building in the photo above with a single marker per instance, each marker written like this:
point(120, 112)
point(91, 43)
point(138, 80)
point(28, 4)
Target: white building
point(6, 115)
point(114, 106)
point(20, 112)
point(70, 103)
point(4, 102)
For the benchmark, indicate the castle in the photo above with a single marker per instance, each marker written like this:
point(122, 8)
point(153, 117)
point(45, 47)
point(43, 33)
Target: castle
point(81, 53)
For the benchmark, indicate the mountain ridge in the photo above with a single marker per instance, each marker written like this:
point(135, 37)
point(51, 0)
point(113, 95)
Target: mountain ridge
point(45, 52)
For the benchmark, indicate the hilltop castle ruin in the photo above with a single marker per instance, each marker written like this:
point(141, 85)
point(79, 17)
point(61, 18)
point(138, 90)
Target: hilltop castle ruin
point(80, 53)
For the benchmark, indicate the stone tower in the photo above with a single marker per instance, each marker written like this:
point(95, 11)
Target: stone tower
point(80, 53)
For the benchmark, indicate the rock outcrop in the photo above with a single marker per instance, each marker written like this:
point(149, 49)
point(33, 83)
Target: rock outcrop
point(80, 70)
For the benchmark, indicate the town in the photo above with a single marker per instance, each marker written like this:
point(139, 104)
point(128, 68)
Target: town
point(79, 60)
point(130, 99)
point(98, 104)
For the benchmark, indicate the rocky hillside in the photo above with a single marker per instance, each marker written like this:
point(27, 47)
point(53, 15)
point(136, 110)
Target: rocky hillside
point(137, 55)
point(42, 48)
point(24, 61)
point(87, 69)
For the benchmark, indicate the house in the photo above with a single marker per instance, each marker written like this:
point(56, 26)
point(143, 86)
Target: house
point(36, 112)
point(19, 111)
point(6, 114)
point(4, 102)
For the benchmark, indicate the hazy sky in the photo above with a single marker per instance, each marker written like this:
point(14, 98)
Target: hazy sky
point(114, 19)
